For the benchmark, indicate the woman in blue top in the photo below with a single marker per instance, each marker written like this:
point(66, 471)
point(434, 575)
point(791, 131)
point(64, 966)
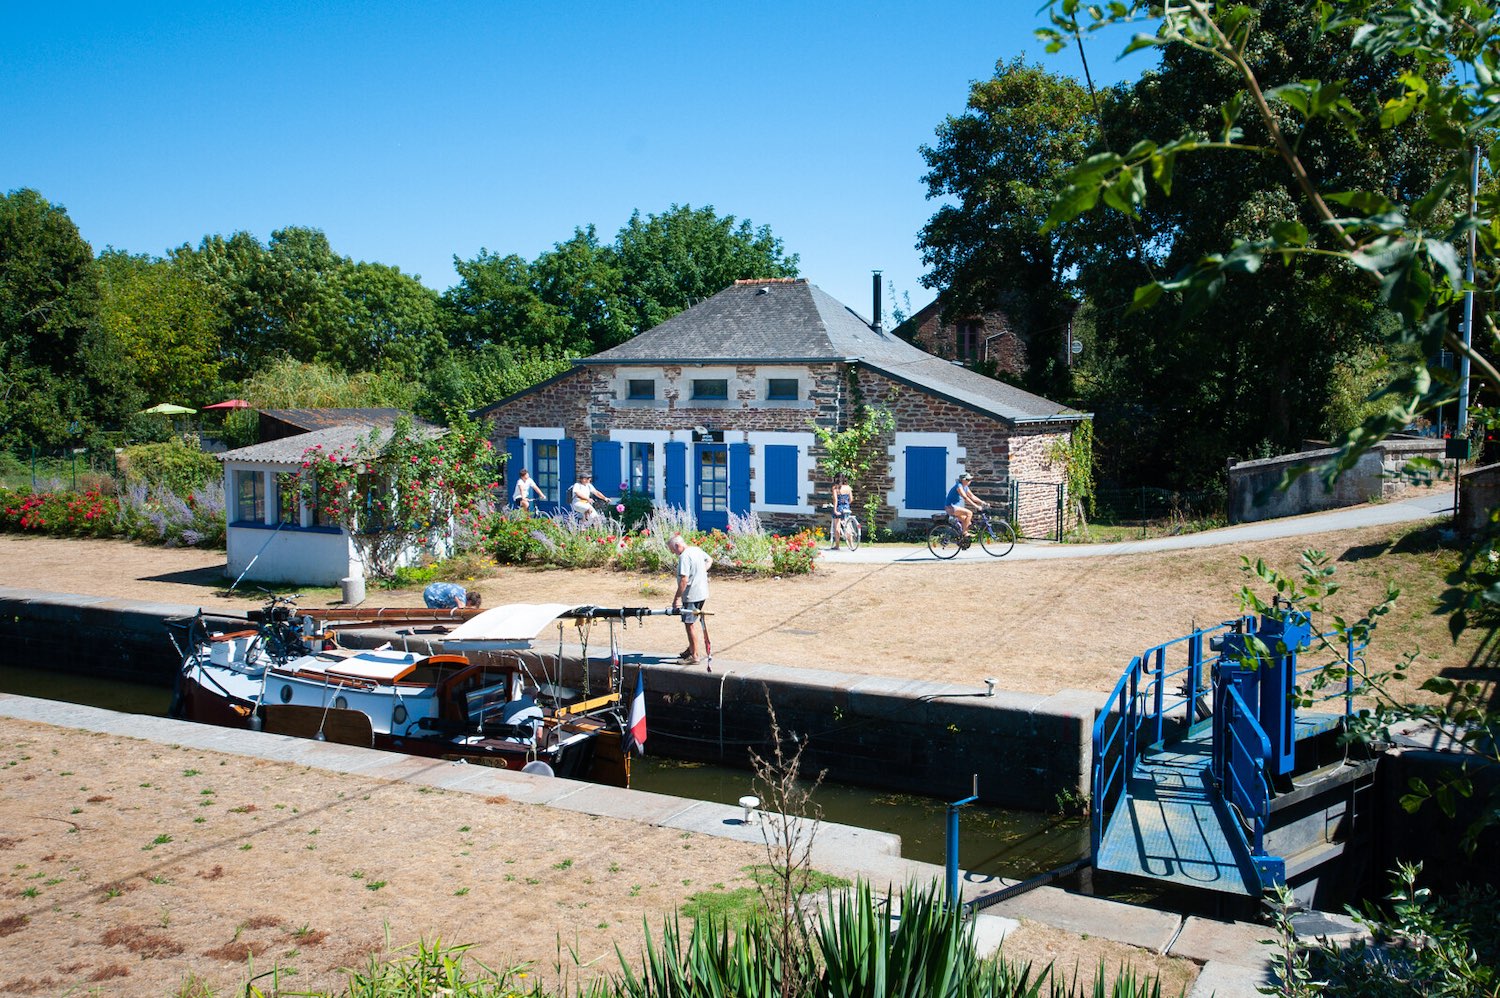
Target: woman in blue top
point(843, 504)
point(962, 503)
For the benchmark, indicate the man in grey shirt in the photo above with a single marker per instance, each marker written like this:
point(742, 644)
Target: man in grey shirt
point(692, 592)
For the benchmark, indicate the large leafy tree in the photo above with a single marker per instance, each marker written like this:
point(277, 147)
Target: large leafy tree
point(1254, 369)
point(686, 254)
point(166, 325)
point(295, 297)
point(998, 166)
point(582, 296)
point(59, 372)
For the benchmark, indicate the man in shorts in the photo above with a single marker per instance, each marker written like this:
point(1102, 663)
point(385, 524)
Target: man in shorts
point(693, 564)
point(449, 596)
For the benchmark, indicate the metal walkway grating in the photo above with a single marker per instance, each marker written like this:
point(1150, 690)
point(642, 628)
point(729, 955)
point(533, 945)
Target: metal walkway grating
point(1172, 827)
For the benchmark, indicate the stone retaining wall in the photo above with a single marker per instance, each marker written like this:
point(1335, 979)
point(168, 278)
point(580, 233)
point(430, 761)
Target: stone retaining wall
point(923, 738)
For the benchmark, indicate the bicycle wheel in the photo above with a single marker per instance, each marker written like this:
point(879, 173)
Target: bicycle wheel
point(851, 533)
point(998, 539)
point(942, 541)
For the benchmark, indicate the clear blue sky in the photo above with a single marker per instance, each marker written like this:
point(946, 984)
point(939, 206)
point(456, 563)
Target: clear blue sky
point(413, 132)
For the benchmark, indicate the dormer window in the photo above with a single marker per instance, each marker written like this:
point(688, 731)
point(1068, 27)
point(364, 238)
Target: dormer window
point(710, 389)
point(781, 389)
point(641, 389)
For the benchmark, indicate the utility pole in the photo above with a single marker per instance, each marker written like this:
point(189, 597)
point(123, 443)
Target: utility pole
point(1468, 324)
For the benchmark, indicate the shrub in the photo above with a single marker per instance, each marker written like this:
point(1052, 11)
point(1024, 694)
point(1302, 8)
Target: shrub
point(172, 465)
point(512, 537)
point(65, 514)
point(158, 515)
point(794, 555)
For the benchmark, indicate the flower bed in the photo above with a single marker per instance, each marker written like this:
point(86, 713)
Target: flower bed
point(513, 538)
point(143, 513)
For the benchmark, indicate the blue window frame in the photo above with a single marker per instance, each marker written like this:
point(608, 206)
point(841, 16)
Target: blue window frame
point(643, 468)
point(781, 389)
point(780, 486)
point(249, 496)
point(711, 389)
point(926, 477)
point(546, 469)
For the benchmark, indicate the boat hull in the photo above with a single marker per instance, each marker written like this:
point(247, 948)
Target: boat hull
point(600, 757)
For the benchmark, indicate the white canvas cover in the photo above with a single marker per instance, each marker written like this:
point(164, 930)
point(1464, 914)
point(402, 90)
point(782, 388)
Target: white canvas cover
point(382, 668)
point(514, 625)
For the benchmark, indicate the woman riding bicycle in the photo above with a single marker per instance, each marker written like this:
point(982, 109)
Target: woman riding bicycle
point(962, 502)
point(843, 506)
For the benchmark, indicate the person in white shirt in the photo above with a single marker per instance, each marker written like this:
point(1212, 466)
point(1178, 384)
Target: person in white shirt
point(525, 486)
point(693, 564)
point(582, 496)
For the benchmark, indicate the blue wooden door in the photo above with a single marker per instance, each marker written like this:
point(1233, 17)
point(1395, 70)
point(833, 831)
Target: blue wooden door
point(711, 486)
point(926, 478)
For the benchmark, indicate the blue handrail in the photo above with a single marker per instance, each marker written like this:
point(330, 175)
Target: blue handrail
point(1136, 716)
point(1140, 703)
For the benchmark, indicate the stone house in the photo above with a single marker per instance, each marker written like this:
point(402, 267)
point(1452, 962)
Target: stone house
point(974, 338)
point(713, 411)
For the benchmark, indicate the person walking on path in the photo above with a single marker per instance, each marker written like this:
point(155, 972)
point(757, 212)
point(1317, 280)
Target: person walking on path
point(525, 486)
point(693, 564)
point(449, 596)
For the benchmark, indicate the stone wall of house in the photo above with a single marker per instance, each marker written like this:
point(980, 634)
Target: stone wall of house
point(561, 403)
point(995, 453)
point(587, 404)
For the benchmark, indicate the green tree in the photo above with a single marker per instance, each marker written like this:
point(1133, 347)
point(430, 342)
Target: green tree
point(999, 165)
point(166, 324)
point(684, 255)
point(465, 380)
point(389, 320)
point(59, 372)
point(1394, 234)
point(495, 302)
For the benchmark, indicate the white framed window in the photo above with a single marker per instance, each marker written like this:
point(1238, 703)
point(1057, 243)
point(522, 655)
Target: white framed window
point(951, 464)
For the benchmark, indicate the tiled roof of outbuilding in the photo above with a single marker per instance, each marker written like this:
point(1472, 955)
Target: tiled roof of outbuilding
point(289, 450)
point(322, 419)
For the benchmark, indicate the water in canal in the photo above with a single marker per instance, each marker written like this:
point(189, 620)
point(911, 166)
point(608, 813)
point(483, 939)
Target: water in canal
point(992, 841)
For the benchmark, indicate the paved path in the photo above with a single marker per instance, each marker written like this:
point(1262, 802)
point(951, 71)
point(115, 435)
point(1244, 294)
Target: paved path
point(1423, 507)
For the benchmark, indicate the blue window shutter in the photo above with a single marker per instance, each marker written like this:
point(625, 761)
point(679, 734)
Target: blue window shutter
point(567, 463)
point(780, 486)
point(515, 447)
point(926, 477)
point(676, 469)
point(606, 457)
point(739, 479)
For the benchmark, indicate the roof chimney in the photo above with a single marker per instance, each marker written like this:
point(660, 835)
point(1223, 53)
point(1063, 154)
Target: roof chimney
point(875, 306)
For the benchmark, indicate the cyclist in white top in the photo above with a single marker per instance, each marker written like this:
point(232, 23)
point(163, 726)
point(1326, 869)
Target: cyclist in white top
point(583, 495)
point(525, 486)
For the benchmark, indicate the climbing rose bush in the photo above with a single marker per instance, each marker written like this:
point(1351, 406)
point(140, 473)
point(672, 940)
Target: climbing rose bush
point(398, 491)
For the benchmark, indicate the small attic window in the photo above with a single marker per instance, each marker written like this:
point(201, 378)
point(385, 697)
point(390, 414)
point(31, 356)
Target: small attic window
point(711, 388)
point(641, 389)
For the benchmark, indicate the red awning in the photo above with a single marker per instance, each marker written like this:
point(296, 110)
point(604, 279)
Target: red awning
point(231, 404)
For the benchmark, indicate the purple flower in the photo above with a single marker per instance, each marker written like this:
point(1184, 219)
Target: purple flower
point(619, 507)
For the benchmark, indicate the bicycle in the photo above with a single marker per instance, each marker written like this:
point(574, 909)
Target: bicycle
point(847, 527)
point(946, 538)
point(280, 631)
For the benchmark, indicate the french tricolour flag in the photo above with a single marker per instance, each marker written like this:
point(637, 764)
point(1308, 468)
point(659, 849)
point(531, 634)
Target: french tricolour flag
point(638, 714)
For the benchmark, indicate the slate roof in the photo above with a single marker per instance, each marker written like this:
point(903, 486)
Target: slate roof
point(289, 450)
point(788, 320)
